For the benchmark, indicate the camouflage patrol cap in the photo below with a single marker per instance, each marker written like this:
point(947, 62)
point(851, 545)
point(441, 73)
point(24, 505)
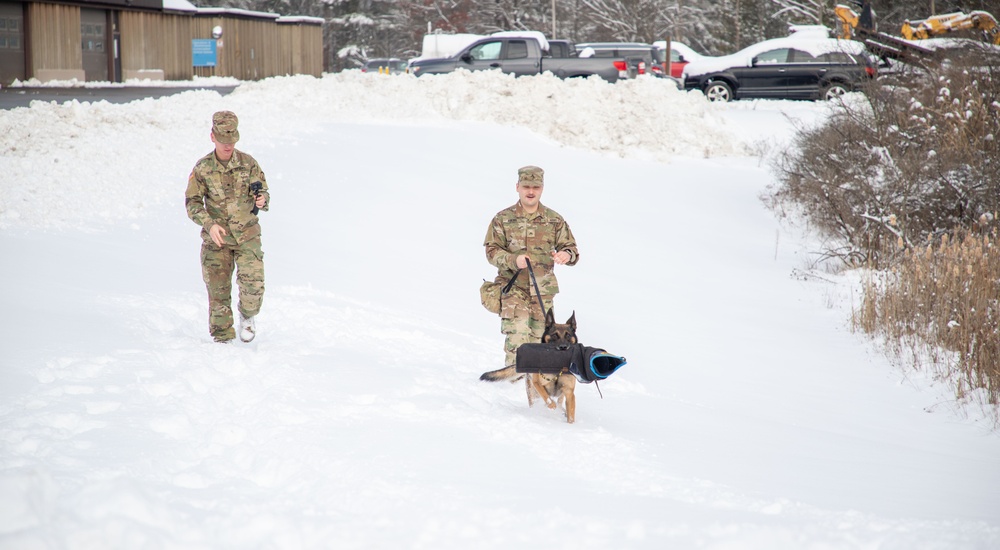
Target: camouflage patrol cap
point(224, 125)
point(530, 176)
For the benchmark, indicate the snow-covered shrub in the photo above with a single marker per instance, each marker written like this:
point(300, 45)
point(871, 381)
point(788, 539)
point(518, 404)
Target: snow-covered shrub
point(907, 185)
point(921, 149)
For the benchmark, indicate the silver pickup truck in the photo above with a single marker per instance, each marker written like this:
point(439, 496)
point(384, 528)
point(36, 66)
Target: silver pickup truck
point(521, 55)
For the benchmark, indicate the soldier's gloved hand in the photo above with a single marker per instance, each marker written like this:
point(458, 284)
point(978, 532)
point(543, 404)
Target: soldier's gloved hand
point(217, 232)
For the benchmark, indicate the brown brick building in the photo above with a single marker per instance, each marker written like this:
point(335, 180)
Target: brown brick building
point(116, 40)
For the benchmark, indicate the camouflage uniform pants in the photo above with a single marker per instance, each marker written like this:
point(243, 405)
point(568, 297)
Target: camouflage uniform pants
point(217, 270)
point(522, 322)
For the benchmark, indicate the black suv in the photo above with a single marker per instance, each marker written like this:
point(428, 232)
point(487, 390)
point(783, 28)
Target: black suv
point(783, 68)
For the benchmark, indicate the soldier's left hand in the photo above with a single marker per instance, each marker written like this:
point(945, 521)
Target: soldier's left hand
point(561, 257)
point(261, 201)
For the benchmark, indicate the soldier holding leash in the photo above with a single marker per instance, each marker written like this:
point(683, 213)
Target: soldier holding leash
point(527, 231)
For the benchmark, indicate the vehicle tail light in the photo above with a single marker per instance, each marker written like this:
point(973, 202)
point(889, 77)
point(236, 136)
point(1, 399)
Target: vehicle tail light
point(642, 67)
point(621, 66)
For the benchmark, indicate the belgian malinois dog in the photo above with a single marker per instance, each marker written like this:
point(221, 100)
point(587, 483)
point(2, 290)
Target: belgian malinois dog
point(550, 387)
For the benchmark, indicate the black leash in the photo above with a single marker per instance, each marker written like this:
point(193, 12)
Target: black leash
point(534, 282)
point(510, 283)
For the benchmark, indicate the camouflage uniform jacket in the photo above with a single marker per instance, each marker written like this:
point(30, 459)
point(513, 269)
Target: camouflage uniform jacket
point(514, 232)
point(220, 194)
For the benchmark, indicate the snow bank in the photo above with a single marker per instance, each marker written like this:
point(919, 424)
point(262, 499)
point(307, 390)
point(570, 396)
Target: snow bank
point(150, 145)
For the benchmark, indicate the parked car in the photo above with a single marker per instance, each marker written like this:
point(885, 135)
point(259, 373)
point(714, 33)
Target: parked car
point(561, 49)
point(395, 66)
point(794, 67)
point(520, 54)
point(680, 55)
point(641, 57)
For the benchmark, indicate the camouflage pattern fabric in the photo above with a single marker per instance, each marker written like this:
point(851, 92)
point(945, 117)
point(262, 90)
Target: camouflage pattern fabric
point(219, 193)
point(225, 126)
point(521, 322)
point(217, 265)
point(513, 232)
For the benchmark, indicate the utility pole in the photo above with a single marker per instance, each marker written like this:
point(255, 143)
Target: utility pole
point(553, 18)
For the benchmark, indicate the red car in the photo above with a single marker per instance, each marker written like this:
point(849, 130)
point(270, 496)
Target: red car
point(680, 55)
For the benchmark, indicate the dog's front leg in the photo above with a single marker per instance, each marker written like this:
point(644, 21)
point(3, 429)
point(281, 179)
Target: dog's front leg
point(571, 407)
point(569, 392)
point(536, 382)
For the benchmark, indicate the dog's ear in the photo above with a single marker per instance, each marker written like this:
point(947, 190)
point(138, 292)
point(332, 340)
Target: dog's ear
point(550, 318)
point(572, 321)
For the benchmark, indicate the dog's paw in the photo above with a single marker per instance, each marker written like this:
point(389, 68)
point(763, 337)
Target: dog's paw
point(550, 404)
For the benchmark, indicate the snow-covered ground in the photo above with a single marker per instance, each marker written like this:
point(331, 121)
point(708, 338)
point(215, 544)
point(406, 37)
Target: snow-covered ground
point(748, 416)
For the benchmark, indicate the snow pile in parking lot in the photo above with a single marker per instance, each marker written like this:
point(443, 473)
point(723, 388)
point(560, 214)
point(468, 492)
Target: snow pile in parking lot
point(150, 145)
point(645, 117)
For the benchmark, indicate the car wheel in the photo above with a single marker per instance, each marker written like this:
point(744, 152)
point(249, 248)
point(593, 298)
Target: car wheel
point(834, 90)
point(718, 90)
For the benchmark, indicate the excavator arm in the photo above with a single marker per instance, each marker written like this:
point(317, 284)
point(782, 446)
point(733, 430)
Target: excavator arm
point(938, 25)
point(852, 22)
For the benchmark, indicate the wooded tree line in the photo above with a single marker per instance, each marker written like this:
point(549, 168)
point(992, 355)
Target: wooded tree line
point(355, 30)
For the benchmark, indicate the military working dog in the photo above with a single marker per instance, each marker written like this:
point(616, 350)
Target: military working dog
point(550, 387)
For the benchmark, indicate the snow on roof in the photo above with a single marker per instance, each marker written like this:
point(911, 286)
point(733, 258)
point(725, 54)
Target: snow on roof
point(811, 31)
point(542, 41)
point(744, 57)
point(437, 45)
point(679, 47)
point(179, 5)
point(237, 11)
point(300, 19)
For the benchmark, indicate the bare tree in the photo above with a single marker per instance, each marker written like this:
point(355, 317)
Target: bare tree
point(810, 12)
point(638, 20)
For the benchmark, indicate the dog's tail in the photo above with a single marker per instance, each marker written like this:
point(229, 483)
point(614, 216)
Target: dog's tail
point(506, 373)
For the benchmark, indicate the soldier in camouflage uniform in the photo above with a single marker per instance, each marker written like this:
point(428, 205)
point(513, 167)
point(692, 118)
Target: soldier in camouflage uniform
point(220, 200)
point(528, 230)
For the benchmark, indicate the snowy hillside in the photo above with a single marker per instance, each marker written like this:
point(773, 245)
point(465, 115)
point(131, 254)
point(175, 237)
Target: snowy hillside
point(748, 416)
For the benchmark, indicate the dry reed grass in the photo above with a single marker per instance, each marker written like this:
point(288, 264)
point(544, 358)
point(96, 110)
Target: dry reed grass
point(943, 297)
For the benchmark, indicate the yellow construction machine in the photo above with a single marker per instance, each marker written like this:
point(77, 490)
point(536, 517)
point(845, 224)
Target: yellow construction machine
point(937, 25)
point(851, 23)
point(862, 27)
point(849, 20)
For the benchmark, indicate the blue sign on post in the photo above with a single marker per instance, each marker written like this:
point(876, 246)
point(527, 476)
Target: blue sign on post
point(203, 52)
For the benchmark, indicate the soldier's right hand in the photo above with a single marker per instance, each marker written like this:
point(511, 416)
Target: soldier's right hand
point(521, 261)
point(217, 232)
